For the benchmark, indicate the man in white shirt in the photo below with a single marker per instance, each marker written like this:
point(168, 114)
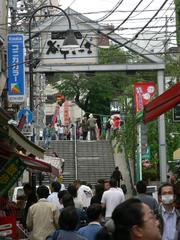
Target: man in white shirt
point(53, 197)
point(84, 193)
point(111, 198)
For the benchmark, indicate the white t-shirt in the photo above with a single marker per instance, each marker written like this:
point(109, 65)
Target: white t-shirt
point(78, 203)
point(62, 187)
point(85, 194)
point(60, 130)
point(111, 198)
point(53, 198)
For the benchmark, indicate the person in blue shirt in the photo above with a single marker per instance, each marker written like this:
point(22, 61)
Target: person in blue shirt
point(67, 200)
point(67, 223)
point(94, 213)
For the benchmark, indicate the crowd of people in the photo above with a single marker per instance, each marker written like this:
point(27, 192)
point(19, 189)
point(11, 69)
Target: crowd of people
point(87, 128)
point(104, 213)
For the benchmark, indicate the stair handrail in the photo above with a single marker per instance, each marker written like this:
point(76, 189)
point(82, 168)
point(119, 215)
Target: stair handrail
point(75, 153)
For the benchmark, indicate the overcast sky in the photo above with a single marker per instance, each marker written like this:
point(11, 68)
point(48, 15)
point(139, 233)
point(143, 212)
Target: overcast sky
point(95, 9)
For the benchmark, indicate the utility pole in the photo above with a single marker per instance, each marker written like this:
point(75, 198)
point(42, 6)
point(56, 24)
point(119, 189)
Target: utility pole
point(3, 34)
point(13, 10)
point(3, 18)
point(177, 12)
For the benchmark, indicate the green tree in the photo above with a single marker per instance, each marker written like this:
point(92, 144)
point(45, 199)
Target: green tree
point(93, 92)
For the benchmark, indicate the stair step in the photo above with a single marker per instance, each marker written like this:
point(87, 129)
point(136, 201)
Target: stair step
point(95, 159)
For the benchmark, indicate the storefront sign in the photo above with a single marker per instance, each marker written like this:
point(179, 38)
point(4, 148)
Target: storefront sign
point(16, 76)
point(9, 174)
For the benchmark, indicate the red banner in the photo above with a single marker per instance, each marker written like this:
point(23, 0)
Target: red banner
point(55, 116)
point(143, 92)
point(66, 113)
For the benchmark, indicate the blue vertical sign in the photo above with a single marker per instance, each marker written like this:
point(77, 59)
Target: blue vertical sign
point(16, 75)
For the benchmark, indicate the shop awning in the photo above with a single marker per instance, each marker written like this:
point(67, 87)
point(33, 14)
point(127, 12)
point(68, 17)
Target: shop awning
point(13, 164)
point(162, 103)
point(12, 132)
point(25, 143)
point(39, 165)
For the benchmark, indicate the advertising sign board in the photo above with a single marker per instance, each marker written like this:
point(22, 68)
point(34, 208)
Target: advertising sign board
point(143, 92)
point(16, 76)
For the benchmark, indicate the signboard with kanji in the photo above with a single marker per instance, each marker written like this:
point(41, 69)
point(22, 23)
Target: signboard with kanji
point(16, 74)
point(143, 92)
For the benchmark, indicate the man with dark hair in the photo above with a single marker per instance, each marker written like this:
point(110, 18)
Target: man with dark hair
point(60, 195)
point(31, 199)
point(169, 215)
point(73, 191)
point(145, 198)
point(94, 213)
point(67, 200)
point(67, 223)
point(53, 197)
point(111, 198)
point(117, 175)
point(42, 218)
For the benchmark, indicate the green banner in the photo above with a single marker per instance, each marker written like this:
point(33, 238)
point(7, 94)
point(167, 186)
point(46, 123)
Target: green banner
point(139, 116)
point(10, 173)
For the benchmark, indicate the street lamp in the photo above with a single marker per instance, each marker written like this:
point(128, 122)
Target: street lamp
point(69, 42)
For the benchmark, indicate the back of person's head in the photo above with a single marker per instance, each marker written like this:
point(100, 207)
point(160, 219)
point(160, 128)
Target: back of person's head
point(116, 168)
point(68, 219)
point(103, 234)
point(55, 186)
point(43, 191)
point(94, 212)
point(141, 186)
point(99, 189)
point(113, 182)
point(67, 200)
point(61, 194)
point(27, 188)
point(77, 183)
point(125, 216)
point(101, 181)
point(83, 183)
point(72, 190)
point(89, 185)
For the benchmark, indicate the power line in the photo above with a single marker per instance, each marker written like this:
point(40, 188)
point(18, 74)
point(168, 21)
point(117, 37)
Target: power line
point(157, 32)
point(118, 11)
point(126, 18)
point(143, 9)
point(145, 26)
point(110, 12)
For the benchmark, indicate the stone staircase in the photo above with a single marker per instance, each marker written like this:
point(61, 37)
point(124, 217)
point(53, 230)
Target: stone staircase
point(94, 159)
